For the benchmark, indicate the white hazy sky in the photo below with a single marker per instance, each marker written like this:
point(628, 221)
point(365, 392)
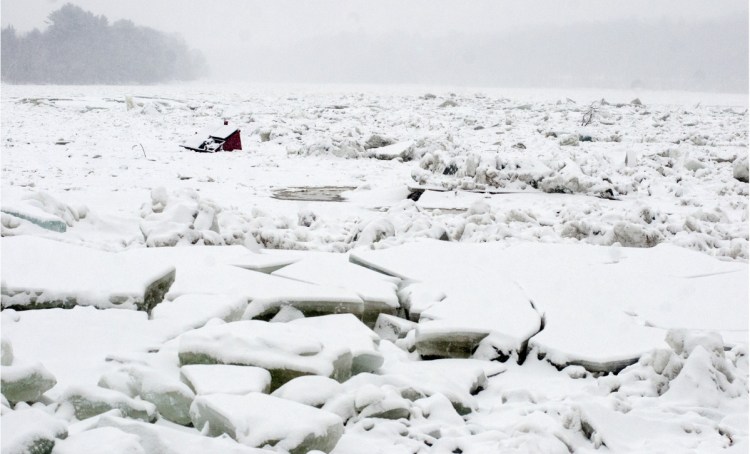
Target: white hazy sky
point(212, 23)
point(249, 28)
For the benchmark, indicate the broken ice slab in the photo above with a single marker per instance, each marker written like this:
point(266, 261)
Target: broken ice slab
point(261, 420)
point(621, 297)
point(393, 328)
point(41, 273)
point(341, 331)
point(285, 351)
point(36, 215)
point(479, 299)
point(206, 270)
point(615, 343)
point(378, 291)
point(266, 293)
point(157, 438)
point(457, 379)
point(310, 390)
point(384, 402)
point(26, 382)
point(88, 401)
point(194, 311)
point(443, 340)
point(625, 298)
point(30, 431)
point(227, 379)
point(171, 397)
point(416, 297)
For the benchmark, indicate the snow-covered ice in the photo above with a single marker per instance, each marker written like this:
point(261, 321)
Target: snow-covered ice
point(585, 286)
point(378, 292)
point(287, 352)
point(30, 430)
point(258, 420)
point(224, 378)
point(39, 273)
point(26, 382)
point(646, 291)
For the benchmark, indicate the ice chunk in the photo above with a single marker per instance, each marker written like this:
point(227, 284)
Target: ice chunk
point(383, 402)
point(155, 438)
point(570, 140)
point(41, 273)
point(416, 297)
point(44, 210)
point(437, 409)
point(37, 216)
point(285, 351)
point(228, 379)
point(439, 339)
point(393, 328)
point(171, 397)
point(377, 290)
point(374, 230)
point(456, 379)
point(104, 440)
point(90, 401)
point(341, 331)
point(26, 382)
point(401, 150)
point(377, 141)
point(259, 420)
point(193, 311)
point(7, 352)
point(30, 431)
point(310, 390)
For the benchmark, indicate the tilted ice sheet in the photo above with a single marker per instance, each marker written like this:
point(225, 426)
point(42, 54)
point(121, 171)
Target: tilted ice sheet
point(194, 311)
point(46, 272)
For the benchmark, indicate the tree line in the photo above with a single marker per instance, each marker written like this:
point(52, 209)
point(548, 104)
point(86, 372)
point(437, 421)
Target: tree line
point(79, 47)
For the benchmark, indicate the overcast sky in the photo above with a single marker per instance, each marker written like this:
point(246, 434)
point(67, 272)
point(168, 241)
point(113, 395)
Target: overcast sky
point(437, 41)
